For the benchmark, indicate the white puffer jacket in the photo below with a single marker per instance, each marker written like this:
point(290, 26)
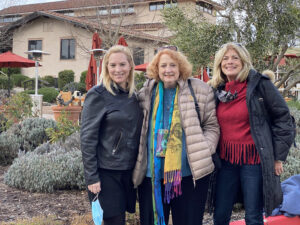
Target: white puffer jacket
point(201, 142)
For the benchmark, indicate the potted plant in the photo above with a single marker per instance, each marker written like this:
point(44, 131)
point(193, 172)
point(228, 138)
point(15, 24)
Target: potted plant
point(69, 104)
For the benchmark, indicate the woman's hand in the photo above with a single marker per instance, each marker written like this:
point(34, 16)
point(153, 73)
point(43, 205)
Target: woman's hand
point(95, 188)
point(278, 167)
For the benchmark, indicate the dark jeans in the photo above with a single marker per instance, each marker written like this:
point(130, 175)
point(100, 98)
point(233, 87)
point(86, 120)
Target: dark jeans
point(229, 181)
point(187, 209)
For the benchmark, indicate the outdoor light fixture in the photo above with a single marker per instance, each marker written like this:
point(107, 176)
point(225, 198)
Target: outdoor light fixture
point(98, 55)
point(36, 55)
point(36, 98)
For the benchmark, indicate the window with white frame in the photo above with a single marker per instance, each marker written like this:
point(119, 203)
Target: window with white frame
point(67, 48)
point(204, 7)
point(34, 45)
point(153, 6)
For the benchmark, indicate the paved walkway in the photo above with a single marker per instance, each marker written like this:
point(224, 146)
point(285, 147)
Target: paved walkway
point(47, 112)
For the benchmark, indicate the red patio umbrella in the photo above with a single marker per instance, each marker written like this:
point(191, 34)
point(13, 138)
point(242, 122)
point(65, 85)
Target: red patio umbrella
point(205, 77)
point(122, 41)
point(141, 67)
point(9, 59)
point(91, 79)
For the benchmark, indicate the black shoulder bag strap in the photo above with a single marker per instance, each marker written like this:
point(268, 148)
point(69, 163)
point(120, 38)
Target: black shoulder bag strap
point(195, 100)
point(215, 157)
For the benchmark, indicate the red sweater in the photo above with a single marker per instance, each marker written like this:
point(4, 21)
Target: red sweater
point(236, 143)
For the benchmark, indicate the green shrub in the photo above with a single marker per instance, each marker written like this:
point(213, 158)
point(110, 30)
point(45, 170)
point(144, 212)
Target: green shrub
point(4, 84)
point(64, 129)
point(3, 122)
point(50, 79)
point(83, 76)
point(54, 167)
point(42, 83)
point(49, 94)
point(18, 107)
point(18, 79)
point(4, 96)
point(11, 70)
point(65, 77)
point(294, 104)
point(9, 148)
point(139, 79)
point(292, 164)
point(25, 136)
point(74, 86)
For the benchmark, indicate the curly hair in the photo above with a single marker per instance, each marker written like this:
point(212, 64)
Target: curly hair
point(218, 76)
point(185, 67)
point(105, 78)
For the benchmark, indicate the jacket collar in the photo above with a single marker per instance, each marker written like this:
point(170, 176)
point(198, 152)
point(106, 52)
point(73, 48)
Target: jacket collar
point(252, 80)
point(151, 82)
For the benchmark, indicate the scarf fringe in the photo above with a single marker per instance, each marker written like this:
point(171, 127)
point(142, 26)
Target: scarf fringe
point(239, 153)
point(172, 182)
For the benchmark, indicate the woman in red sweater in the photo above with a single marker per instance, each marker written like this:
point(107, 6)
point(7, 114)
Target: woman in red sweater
point(255, 136)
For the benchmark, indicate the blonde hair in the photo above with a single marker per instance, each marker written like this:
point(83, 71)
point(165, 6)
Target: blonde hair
point(185, 67)
point(105, 78)
point(270, 74)
point(218, 76)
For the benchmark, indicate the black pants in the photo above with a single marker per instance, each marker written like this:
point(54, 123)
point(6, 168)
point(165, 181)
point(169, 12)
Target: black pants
point(187, 209)
point(117, 194)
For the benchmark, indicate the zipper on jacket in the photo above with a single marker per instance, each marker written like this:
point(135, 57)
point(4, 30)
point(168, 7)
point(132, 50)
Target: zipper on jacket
point(117, 145)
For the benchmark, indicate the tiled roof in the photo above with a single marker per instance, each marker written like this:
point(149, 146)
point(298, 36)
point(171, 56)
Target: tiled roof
point(74, 4)
point(93, 26)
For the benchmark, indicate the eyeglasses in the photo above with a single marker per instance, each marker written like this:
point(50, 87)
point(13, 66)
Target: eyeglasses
point(171, 47)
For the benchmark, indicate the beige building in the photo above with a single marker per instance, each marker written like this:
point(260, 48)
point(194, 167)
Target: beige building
point(65, 29)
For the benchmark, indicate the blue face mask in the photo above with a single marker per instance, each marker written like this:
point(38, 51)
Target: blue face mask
point(97, 211)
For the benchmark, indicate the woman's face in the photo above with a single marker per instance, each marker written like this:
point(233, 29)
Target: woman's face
point(168, 71)
point(119, 68)
point(231, 64)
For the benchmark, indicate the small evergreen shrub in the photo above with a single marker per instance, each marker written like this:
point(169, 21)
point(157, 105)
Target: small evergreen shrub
point(65, 77)
point(64, 129)
point(50, 79)
point(18, 107)
point(3, 122)
point(4, 84)
point(18, 79)
point(139, 79)
point(291, 166)
point(11, 70)
point(4, 96)
point(9, 147)
point(83, 76)
point(74, 86)
point(50, 167)
point(49, 94)
point(25, 136)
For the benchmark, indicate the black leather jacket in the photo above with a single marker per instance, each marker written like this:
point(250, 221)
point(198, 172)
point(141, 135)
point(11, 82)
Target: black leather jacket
point(110, 131)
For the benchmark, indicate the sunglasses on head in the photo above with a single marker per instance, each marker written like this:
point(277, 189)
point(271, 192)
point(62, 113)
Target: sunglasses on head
point(234, 43)
point(171, 47)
